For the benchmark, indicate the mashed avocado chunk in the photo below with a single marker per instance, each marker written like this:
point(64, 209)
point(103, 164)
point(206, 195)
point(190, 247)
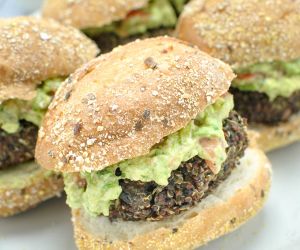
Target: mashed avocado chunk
point(158, 14)
point(274, 79)
point(12, 111)
point(203, 136)
point(22, 176)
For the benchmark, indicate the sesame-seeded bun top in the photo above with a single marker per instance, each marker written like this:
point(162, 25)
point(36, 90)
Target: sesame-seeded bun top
point(33, 50)
point(243, 32)
point(90, 13)
point(121, 104)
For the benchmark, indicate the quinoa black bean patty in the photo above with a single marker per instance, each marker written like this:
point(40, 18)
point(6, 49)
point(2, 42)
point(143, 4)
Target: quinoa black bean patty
point(107, 41)
point(258, 108)
point(18, 147)
point(188, 185)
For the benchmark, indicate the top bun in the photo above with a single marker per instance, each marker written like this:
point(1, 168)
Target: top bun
point(33, 50)
point(243, 32)
point(90, 13)
point(121, 104)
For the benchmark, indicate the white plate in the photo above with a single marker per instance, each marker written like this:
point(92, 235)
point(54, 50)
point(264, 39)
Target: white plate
point(18, 7)
point(276, 227)
point(48, 227)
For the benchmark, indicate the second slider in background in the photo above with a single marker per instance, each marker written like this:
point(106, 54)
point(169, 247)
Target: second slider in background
point(117, 22)
point(36, 56)
point(261, 40)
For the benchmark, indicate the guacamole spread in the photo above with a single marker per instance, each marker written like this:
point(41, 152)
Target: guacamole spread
point(103, 186)
point(12, 111)
point(158, 14)
point(274, 79)
point(22, 176)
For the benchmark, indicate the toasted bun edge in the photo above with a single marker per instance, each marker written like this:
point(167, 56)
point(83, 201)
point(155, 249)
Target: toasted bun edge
point(38, 189)
point(278, 136)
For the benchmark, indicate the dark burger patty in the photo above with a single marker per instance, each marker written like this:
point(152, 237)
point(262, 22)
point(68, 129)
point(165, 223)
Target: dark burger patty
point(258, 108)
point(18, 147)
point(107, 41)
point(188, 185)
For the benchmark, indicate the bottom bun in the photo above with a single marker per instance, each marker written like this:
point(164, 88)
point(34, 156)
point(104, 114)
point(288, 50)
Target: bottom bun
point(25, 186)
point(236, 200)
point(273, 137)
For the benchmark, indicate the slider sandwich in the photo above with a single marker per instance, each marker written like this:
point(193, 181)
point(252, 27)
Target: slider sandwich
point(261, 40)
point(35, 57)
point(153, 153)
point(115, 22)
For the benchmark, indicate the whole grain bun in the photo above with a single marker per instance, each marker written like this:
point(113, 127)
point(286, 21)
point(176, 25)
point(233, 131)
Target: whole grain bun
point(273, 137)
point(236, 200)
point(90, 13)
point(33, 50)
point(33, 186)
point(243, 32)
point(121, 104)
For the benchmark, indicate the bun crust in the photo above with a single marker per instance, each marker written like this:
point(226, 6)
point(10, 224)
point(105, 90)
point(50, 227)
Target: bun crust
point(90, 13)
point(121, 104)
point(33, 50)
point(236, 200)
point(38, 188)
point(243, 32)
point(271, 138)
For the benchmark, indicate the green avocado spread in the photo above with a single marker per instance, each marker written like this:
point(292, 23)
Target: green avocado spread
point(14, 110)
point(203, 136)
point(274, 79)
point(158, 14)
point(21, 176)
